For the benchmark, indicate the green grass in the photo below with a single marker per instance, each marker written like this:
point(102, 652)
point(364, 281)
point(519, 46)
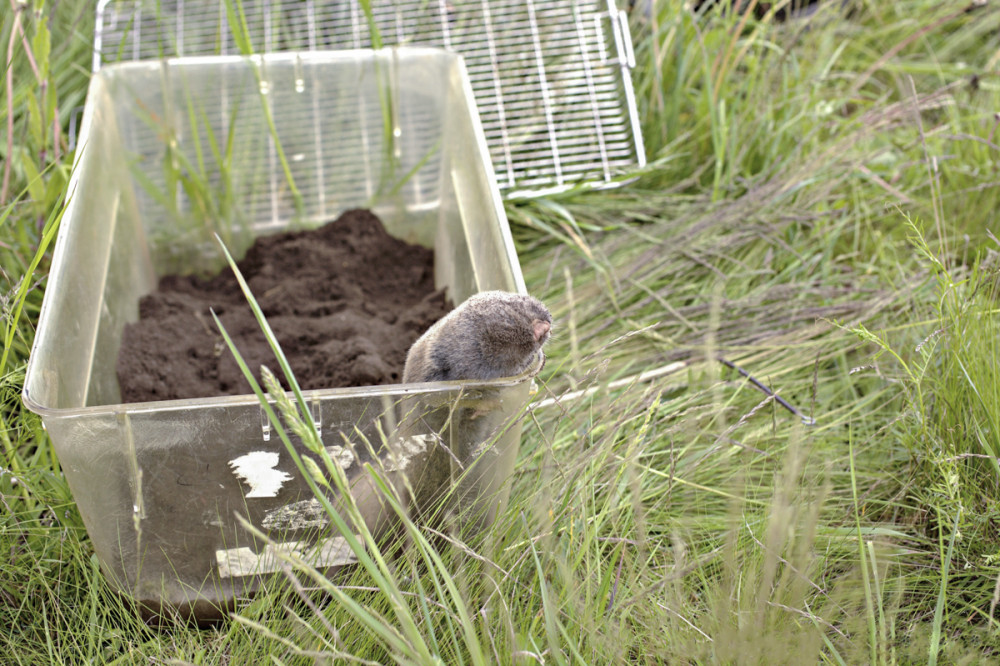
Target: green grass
point(818, 209)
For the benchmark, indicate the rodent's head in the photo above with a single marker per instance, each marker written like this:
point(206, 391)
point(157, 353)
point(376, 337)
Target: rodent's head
point(513, 327)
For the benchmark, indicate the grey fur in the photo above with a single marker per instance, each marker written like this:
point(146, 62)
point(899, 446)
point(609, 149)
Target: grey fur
point(491, 335)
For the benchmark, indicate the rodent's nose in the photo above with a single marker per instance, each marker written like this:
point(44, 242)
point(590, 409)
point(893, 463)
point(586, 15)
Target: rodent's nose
point(541, 329)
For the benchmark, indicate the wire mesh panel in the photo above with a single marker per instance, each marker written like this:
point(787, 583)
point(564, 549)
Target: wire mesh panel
point(551, 77)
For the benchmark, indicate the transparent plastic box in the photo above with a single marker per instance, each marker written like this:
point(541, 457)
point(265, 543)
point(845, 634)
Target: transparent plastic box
point(172, 152)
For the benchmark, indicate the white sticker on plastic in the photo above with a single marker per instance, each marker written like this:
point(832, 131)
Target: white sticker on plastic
point(257, 470)
point(236, 562)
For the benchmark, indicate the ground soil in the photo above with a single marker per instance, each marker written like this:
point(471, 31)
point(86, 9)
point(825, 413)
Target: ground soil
point(345, 301)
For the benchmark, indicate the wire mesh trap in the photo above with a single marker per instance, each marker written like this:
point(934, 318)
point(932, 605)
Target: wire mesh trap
point(552, 79)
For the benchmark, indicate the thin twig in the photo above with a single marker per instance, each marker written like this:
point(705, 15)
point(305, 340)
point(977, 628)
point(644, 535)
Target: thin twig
point(807, 420)
point(662, 371)
point(646, 376)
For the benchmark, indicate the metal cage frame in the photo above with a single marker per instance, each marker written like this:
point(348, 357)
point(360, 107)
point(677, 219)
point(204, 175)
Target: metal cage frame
point(552, 79)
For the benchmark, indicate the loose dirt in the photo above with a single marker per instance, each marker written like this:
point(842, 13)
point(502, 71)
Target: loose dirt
point(346, 301)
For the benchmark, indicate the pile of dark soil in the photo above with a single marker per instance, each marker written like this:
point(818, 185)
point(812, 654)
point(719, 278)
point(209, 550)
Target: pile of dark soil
point(346, 301)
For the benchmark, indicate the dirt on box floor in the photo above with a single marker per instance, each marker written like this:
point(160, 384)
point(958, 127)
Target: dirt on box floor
point(346, 301)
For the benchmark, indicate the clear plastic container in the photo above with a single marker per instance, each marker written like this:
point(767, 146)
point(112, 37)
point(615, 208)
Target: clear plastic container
point(174, 151)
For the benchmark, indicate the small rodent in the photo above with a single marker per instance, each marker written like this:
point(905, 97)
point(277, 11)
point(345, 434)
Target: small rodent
point(491, 335)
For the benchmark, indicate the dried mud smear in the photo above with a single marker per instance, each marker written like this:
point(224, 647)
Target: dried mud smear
point(346, 301)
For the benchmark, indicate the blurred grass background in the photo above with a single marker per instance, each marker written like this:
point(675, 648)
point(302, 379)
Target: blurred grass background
point(818, 209)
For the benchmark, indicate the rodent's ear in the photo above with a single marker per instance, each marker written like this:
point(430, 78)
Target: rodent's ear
point(541, 329)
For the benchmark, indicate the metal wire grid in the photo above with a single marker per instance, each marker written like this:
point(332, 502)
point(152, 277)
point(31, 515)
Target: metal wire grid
point(551, 77)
